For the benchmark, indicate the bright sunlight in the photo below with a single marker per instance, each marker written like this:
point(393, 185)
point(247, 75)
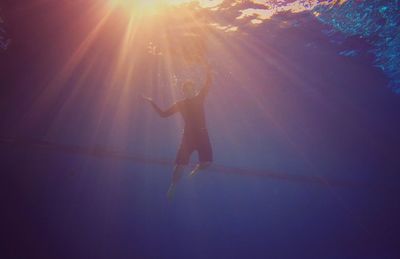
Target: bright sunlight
point(151, 7)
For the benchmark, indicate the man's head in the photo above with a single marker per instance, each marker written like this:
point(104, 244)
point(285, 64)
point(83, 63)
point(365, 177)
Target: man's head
point(188, 89)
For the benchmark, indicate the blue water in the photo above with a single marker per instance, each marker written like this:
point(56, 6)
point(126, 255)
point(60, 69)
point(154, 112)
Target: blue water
point(378, 23)
point(4, 38)
point(311, 99)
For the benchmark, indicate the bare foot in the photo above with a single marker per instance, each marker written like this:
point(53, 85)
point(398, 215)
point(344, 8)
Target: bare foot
point(194, 171)
point(171, 192)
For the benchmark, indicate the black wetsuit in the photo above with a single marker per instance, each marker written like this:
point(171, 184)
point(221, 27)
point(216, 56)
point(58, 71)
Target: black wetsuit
point(195, 135)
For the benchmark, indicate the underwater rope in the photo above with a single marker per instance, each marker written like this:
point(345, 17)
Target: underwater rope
point(106, 153)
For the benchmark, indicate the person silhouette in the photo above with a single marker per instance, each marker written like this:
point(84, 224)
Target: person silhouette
point(195, 134)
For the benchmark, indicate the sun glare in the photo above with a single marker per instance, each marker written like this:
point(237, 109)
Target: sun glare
point(142, 7)
point(146, 7)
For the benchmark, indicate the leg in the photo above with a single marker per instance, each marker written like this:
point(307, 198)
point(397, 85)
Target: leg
point(205, 154)
point(176, 176)
point(182, 159)
point(200, 166)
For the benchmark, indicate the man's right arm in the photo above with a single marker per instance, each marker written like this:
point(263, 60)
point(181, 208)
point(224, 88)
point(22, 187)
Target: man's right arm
point(168, 112)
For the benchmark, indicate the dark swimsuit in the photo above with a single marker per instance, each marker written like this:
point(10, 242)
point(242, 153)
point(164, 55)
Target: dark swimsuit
point(195, 134)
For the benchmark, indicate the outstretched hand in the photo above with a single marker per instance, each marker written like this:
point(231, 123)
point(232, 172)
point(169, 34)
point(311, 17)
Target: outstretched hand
point(146, 98)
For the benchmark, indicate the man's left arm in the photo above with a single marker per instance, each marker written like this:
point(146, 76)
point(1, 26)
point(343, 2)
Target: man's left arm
point(206, 88)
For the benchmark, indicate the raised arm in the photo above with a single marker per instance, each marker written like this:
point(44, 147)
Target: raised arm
point(168, 112)
point(206, 88)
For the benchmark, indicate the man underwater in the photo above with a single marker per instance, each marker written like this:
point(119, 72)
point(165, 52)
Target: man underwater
point(195, 134)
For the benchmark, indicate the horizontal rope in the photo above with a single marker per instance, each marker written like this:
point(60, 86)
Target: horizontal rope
point(110, 154)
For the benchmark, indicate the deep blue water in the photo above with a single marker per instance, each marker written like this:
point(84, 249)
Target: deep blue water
point(377, 22)
point(314, 102)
